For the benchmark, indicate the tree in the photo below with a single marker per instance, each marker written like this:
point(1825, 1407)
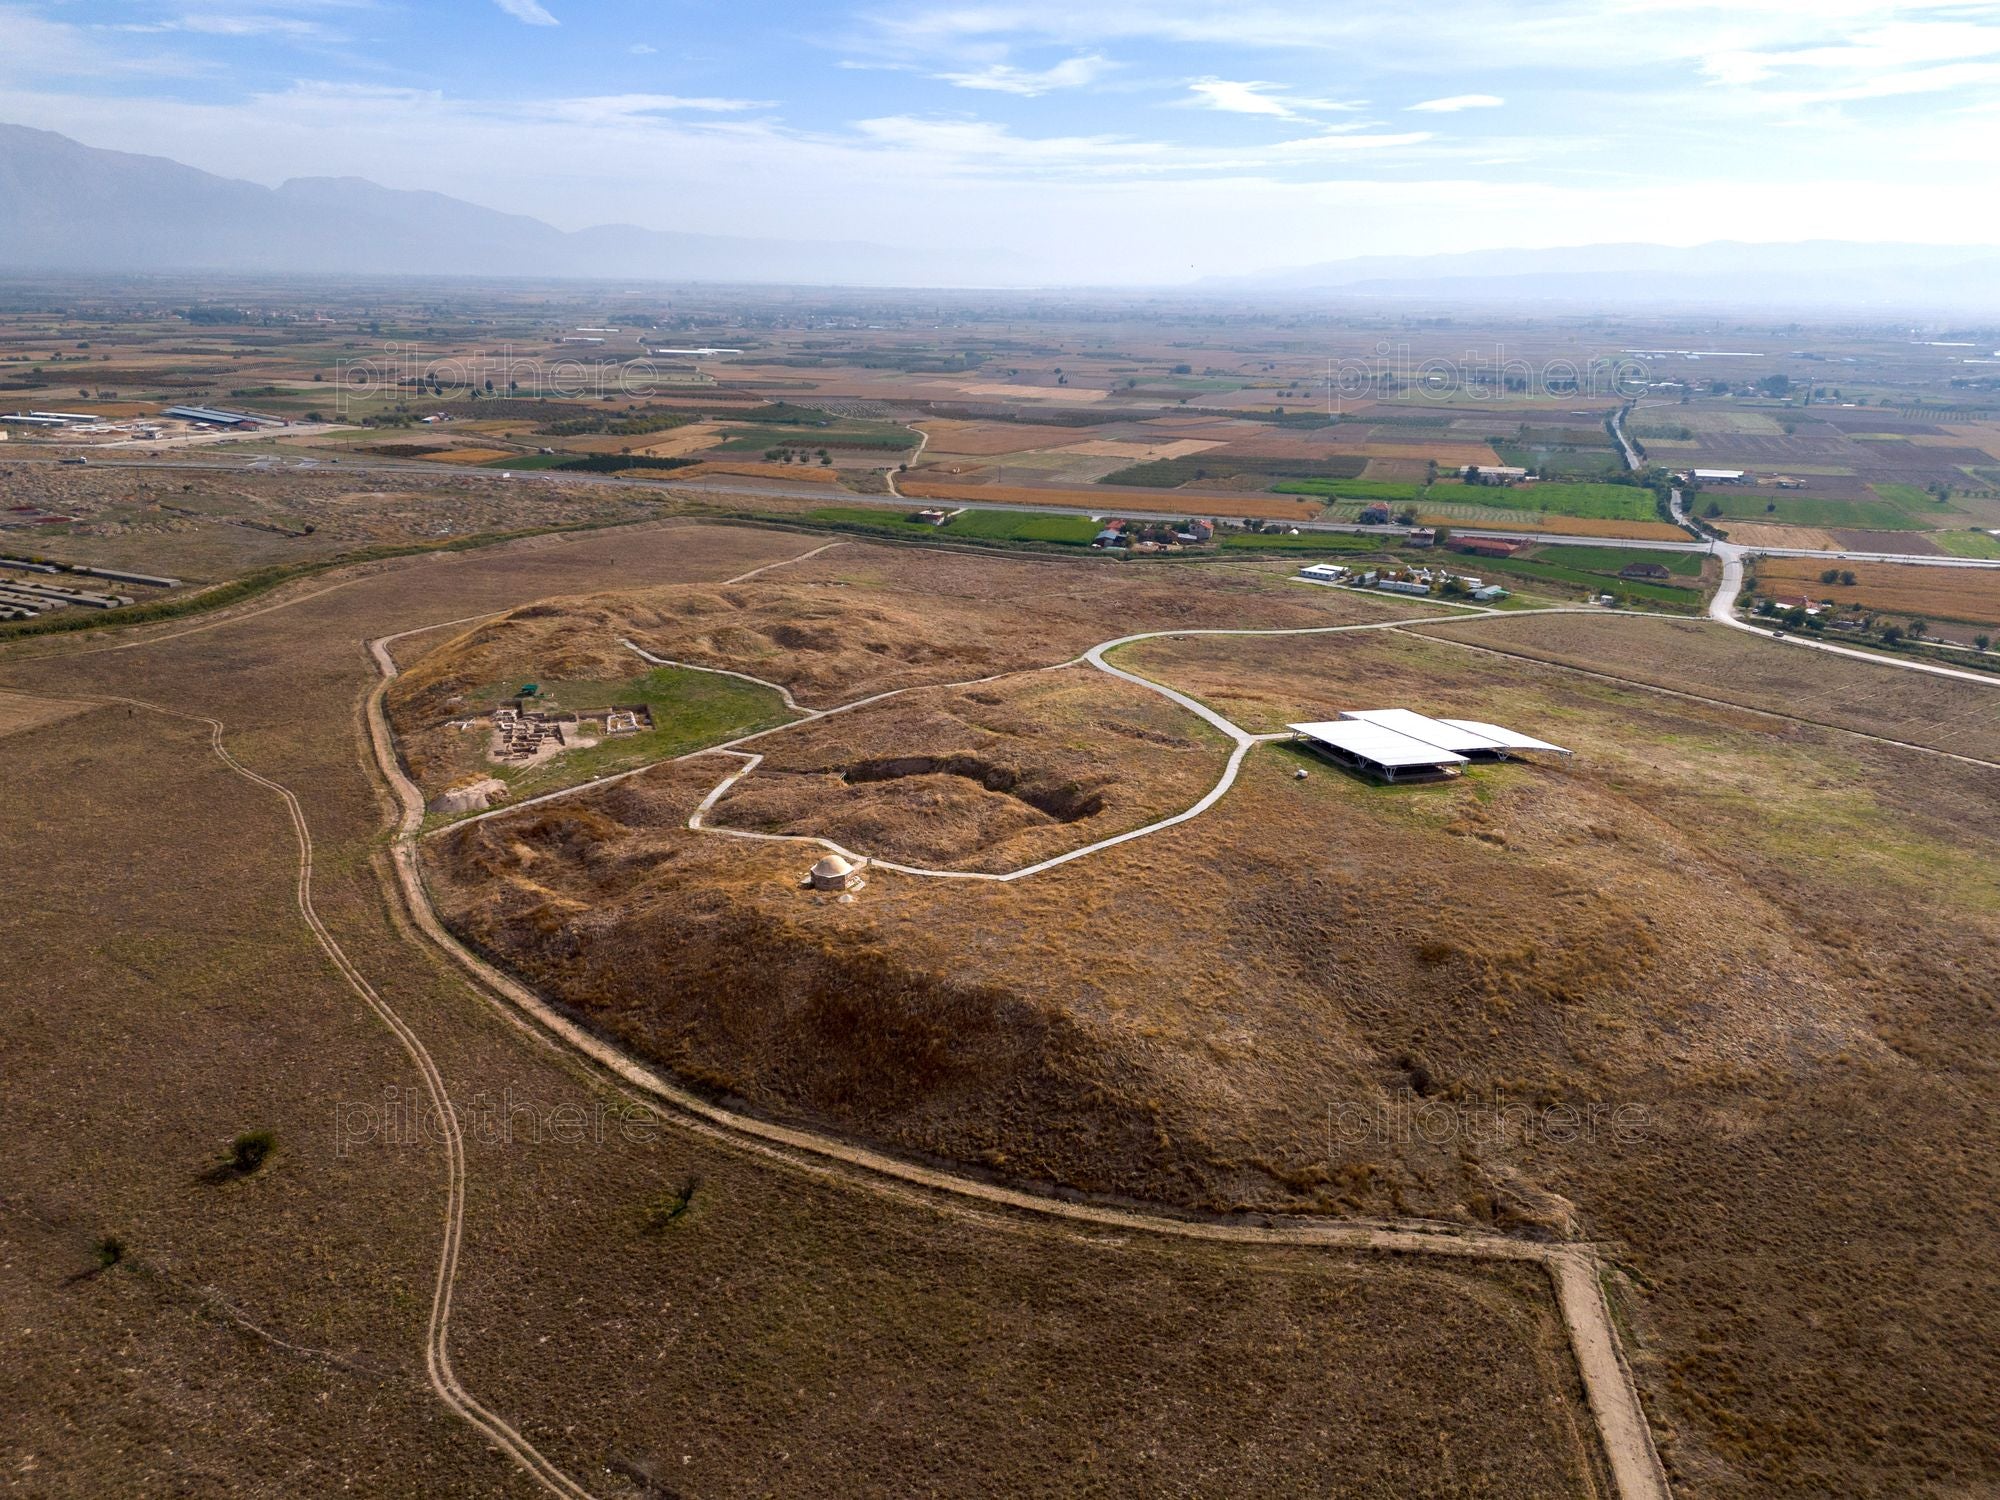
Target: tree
point(1981, 642)
point(1892, 634)
point(1918, 629)
point(1831, 575)
point(1713, 509)
point(1847, 577)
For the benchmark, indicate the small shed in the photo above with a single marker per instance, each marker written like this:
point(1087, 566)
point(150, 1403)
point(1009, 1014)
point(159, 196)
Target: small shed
point(834, 872)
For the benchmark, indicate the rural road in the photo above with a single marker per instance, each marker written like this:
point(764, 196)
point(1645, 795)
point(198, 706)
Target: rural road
point(437, 1354)
point(1197, 503)
point(1575, 1270)
point(1722, 608)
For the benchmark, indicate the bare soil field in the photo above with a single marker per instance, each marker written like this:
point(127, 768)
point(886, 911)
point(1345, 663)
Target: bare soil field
point(990, 777)
point(1714, 992)
point(268, 1328)
point(985, 439)
point(19, 711)
point(1767, 534)
point(1909, 543)
point(1971, 595)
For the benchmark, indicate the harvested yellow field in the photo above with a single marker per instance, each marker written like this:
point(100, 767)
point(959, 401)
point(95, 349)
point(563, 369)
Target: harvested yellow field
point(468, 455)
point(750, 469)
point(1075, 395)
point(1968, 594)
point(682, 441)
point(1764, 534)
point(1140, 453)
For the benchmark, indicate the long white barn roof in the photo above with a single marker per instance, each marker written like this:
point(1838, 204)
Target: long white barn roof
point(1512, 739)
point(1372, 742)
point(1442, 733)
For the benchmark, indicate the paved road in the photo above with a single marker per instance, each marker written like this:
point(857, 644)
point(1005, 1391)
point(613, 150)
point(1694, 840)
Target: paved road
point(1723, 608)
point(1197, 504)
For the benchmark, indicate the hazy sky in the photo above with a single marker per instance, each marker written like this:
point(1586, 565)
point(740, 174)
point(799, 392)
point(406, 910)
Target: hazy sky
point(1102, 141)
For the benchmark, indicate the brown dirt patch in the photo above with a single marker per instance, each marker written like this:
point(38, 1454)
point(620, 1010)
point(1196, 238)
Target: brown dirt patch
point(20, 711)
point(990, 777)
point(984, 439)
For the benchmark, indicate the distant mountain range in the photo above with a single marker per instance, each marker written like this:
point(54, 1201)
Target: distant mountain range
point(1807, 274)
point(69, 207)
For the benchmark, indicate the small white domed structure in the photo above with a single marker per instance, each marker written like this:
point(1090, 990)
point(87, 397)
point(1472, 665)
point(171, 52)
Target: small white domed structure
point(835, 872)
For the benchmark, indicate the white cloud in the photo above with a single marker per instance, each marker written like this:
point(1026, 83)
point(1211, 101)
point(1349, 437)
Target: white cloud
point(1251, 97)
point(600, 109)
point(1002, 78)
point(642, 49)
point(1454, 103)
point(528, 11)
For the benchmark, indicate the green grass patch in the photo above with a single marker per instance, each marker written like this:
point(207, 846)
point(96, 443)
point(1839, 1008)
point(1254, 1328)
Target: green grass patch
point(1599, 502)
point(983, 525)
point(1305, 541)
point(1171, 473)
point(529, 462)
point(1024, 526)
point(1798, 510)
point(1611, 559)
point(691, 710)
point(1541, 570)
point(1968, 543)
point(1350, 489)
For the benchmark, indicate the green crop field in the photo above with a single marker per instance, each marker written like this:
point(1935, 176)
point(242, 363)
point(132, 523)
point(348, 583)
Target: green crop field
point(1166, 473)
point(1350, 489)
point(1968, 543)
point(1611, 559)
point(1548, 569)
point(986, 525)
point(1600, 502)
point(867, 515)
point(882, 436)
point(1024, 526)
point(1305, 541)
point(1798, 510)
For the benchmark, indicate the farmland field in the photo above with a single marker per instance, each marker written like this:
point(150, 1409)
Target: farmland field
point(1111, 502)
point(1970, 595)
point(1602, 502)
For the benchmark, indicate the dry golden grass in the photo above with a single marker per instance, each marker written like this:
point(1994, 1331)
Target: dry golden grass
point(262, 1334)
point(19, 711)
point(1764, 944)
point(991, 777)
point(1968, 594)
point(1712, 660)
